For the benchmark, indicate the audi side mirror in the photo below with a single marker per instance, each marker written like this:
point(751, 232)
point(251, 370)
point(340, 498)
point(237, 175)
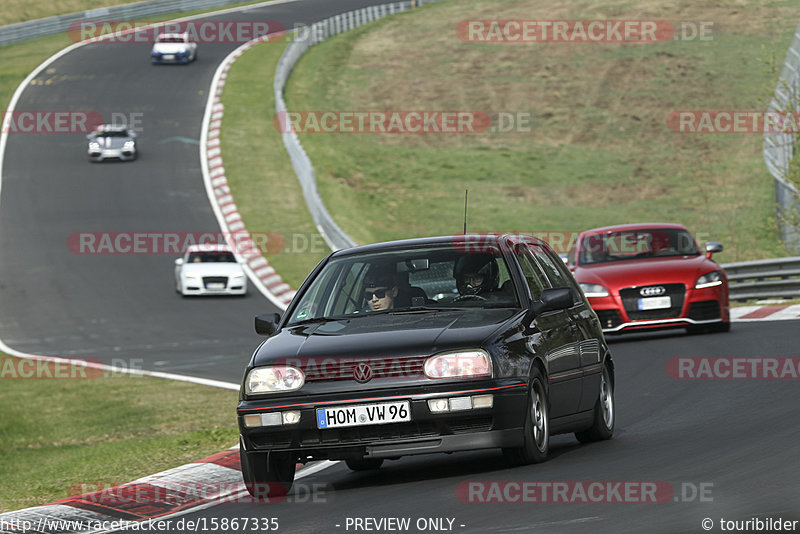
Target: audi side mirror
point(712, 247)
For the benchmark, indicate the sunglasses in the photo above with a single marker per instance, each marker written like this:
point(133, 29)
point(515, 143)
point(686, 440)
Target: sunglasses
point(379, 293)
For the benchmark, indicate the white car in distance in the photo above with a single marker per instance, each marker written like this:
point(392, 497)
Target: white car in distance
point(209, 270)
point(173, 48)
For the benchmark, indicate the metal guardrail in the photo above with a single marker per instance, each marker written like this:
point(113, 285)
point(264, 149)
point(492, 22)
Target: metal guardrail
point(779, 147)
point(760, 279)
point(32, 29)
point(308, 37)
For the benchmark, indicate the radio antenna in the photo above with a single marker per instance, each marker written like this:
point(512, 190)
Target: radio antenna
point(466, 195)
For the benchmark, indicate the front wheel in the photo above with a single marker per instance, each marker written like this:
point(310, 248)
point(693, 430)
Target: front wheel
point(536, 439)
point(604, 413)
point(267, 474)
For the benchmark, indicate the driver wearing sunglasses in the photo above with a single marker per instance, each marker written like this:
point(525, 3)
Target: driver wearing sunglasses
point(380, 290)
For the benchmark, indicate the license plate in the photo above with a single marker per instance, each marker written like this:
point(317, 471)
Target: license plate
point(655, 303)
point(168, 57)
point(364, 414)
point(215, 285)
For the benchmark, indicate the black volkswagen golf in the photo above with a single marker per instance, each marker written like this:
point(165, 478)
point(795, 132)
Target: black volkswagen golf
point(420, 346)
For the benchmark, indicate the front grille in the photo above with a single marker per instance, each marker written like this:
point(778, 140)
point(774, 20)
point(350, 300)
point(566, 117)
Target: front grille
point(630, 298)
point(704, 311)
point(370, 434)
point(344, 368)
point(473, 424)
point(215, 280)
point(608, 318)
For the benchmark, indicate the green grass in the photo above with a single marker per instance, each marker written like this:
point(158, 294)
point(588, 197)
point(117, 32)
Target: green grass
point(258, 169)
point(111, 429)
point(599, 151)
point(21, 10)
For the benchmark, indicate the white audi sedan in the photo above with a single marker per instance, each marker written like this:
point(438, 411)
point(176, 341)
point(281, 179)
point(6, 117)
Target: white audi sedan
point(209, 270)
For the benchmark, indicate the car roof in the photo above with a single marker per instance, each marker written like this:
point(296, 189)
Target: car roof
point(210, 247)
point(633, 226)
point(459, 241)
point(171, 35)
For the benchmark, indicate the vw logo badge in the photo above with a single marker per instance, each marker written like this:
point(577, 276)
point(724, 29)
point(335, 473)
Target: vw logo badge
point(362, 373)
point(652, 291)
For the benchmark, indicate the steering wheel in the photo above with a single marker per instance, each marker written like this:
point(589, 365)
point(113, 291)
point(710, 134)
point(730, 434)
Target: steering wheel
point(461, 298)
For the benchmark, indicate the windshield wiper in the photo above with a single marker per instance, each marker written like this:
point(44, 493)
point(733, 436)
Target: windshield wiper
point(417, 309)
point(316, 320)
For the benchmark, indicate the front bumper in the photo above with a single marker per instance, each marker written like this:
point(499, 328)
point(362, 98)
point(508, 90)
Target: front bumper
point(233, 286)
point(159, 59)
point(427, 432)
point(705, 306)
point(120, 154)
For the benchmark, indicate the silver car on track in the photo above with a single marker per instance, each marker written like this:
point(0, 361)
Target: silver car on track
point(109, 141)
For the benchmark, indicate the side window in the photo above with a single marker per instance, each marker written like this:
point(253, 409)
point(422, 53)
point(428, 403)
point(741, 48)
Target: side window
point(557, 273)
point(533, 275)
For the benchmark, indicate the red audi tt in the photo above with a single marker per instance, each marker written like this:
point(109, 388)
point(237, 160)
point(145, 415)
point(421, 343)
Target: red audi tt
point(651, 275)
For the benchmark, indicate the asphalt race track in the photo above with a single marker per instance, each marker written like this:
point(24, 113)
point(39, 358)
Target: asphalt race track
point(727, 448)
point(123, 308)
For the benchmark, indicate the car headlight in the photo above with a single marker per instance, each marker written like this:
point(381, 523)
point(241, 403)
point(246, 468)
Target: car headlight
point(274, 379)
point(129, 144)
point(459, 364)
point(238, 275)
point(94, 146)
point(714, 278)
point(191, 275)
point(594, 290)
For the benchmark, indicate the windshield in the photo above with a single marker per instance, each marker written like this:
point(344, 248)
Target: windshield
point(112, 133)
point(211, 257)
point(172, 39)
point(438, 277)
point(635, 244)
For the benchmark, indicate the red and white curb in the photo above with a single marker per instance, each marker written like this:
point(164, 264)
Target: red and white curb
point(188, 488)
point(261, 272)
point(765, 313)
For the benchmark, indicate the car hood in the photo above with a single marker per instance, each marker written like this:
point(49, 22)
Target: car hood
point(170, 48)
point(384, 335)
point(646, 271)
point(212, 269)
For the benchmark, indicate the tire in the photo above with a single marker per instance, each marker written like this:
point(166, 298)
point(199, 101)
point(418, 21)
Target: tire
point(722, 327)
point(604, 413)
point(365, 464)
point(268, 474)
point(536, 439)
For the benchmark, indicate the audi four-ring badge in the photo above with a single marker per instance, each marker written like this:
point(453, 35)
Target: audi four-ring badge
point(652, 275)
point(423, 346)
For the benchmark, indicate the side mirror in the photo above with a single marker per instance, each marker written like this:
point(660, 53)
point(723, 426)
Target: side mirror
point(557, 298)
point(178, 262)
point(712, 247)
point(267, 324)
